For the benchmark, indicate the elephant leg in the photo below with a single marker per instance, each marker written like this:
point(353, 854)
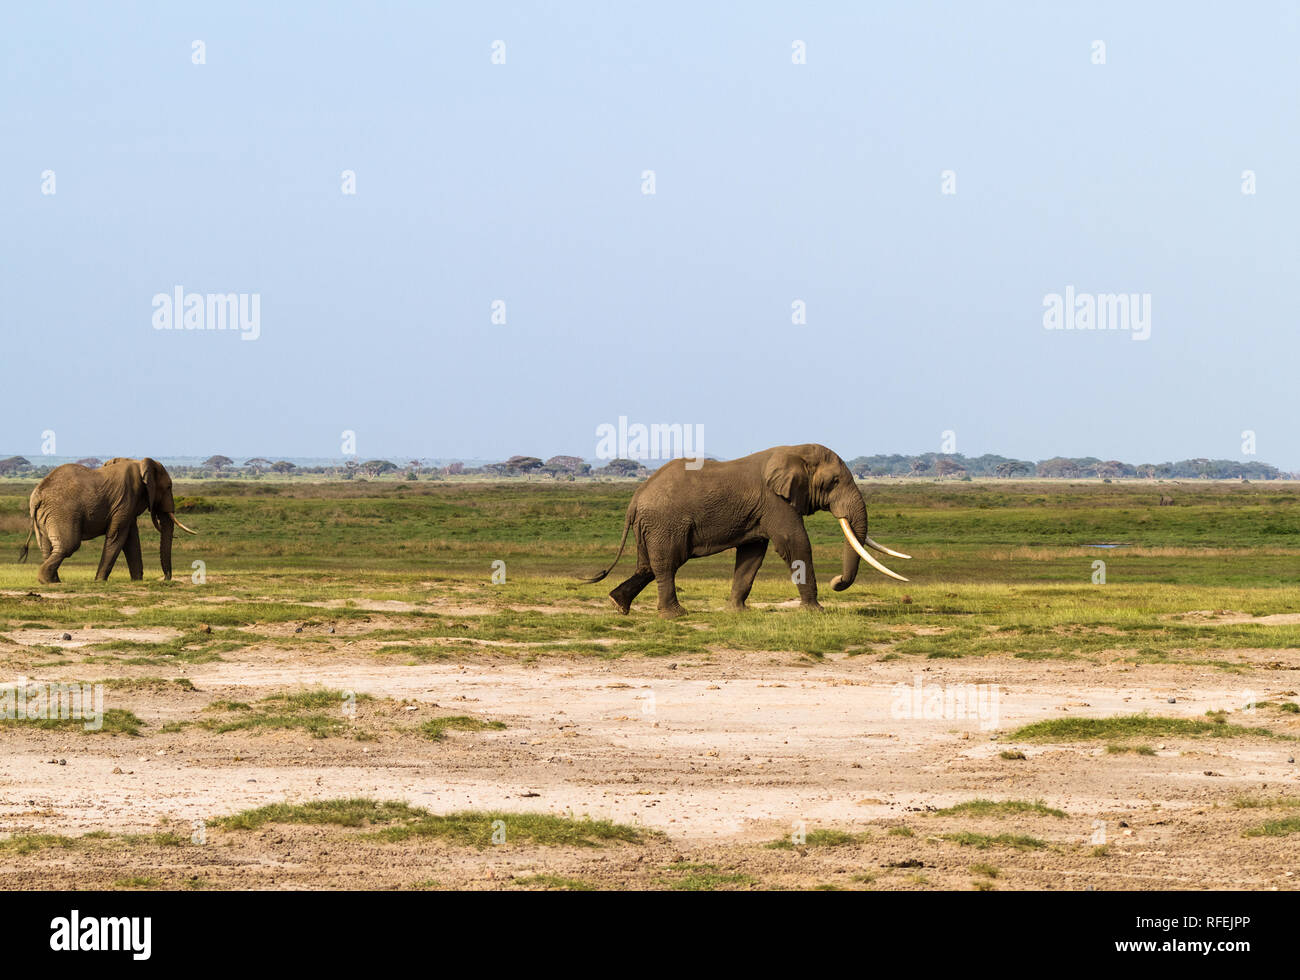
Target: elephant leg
point(749, 558)
point(791, 542)
point(114, 542)
point(56, 545)
point(666, 579)
point(665, 573)
point(665, 556)
point(631, 588)
point(134, 563)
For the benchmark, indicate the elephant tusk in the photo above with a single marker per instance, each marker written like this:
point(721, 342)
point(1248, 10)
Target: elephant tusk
point(881, 548)
point(179, 524)
point(866, 555)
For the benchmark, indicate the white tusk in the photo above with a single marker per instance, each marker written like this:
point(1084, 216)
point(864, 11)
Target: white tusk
point(882, 549)
point(179, 524)
point(866, 555)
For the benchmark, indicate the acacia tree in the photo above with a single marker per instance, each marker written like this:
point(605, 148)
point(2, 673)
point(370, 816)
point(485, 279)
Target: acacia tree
point(217, 462)
point(523, 464)
point(568, 464)
point(622, 467)
point(947, 467)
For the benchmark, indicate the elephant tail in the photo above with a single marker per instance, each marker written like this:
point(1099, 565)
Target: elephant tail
point(627, 526)
point(22, 555)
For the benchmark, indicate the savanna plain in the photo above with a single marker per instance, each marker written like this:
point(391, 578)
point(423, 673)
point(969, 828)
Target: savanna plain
point(341, 696)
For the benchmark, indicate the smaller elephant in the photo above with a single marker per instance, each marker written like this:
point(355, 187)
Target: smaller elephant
point(74, 503)
point(1166, 501)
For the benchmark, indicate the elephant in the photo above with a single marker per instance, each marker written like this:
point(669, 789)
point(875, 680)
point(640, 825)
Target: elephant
point(74, 503)
point(1166, 501)
point(691, 509)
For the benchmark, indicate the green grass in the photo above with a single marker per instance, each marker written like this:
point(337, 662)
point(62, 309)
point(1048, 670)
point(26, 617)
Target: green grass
point(1001, 570)
point(554, 883)
point(393, 822)
point(355, 812)
point(984, 841)
point(1276, 802)
point(817, 838)
point(1275, 828)
point(24, 844)
point(703, 877)
point(137, 882)
point(999, 808)
point(1132, 726)
point(478, 829)
point(115, 721)
point(438, 727)
point(418, 652)
point(164, 838)
point(318, 711)
point(138, 684)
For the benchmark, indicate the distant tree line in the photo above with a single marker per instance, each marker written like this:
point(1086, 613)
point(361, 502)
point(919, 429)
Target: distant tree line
point(953, 466)
point(957, 466)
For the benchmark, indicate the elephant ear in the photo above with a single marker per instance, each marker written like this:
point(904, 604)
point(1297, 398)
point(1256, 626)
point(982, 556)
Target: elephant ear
point(149, 474)
point(787, 476)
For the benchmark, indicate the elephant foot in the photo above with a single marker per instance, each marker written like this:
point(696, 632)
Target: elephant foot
point(623, 607)
point(737, 606)
point(813, 606)
point(672, 612)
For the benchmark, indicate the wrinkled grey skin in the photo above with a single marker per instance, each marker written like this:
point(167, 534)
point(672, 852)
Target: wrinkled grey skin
point(681, 513)
point(74, 503)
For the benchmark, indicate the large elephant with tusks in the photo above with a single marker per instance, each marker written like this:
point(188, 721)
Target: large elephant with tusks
point(690, 509)
point(74, 503)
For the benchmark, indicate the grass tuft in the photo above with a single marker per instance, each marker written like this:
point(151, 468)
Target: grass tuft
point(1133, 726)
point(999, 808)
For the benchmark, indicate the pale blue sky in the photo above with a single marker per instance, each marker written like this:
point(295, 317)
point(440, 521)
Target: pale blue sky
point(775, 182)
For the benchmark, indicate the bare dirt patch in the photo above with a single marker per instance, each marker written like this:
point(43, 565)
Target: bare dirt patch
point(1227, 617)
point(86, 637)
point(722, 754)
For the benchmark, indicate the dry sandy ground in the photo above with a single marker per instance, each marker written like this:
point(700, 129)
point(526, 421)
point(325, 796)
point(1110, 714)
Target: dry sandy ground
point(721, 756)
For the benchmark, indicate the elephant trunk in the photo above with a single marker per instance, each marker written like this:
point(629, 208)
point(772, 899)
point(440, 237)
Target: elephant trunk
point(851, 511)
point(166, 528)
point(855, 513)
